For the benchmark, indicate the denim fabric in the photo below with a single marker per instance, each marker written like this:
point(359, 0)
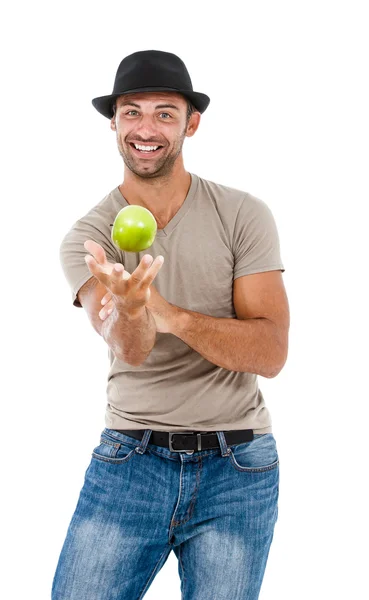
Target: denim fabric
point(216, 509)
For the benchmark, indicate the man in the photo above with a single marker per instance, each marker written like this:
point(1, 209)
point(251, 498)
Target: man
point(187, 460)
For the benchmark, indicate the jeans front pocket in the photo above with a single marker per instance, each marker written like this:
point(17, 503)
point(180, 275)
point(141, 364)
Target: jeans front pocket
point(112, 451)
point(257, 456)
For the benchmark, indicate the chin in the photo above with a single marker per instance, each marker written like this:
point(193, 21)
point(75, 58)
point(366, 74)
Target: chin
point(145, 172)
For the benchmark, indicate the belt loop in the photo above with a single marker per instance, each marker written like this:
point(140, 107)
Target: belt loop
point(223, 444)
point(140, 449)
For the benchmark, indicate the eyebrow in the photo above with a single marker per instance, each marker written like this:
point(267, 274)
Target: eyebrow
point(158, 106)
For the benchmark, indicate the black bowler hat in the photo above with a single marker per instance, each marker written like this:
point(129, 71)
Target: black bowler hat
point(151, 71)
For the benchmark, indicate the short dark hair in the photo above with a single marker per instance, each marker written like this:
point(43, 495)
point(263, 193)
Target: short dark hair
point(190, 109)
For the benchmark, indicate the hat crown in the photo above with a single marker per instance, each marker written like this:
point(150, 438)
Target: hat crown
point(151, 71)
point(151, 68)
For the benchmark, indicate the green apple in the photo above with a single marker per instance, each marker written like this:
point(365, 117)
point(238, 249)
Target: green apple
point(134, 228)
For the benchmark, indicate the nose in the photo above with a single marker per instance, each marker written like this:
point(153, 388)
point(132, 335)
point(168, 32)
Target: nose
point(146, 128)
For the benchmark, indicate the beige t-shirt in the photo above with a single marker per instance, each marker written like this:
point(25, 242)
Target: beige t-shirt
point(218, 234)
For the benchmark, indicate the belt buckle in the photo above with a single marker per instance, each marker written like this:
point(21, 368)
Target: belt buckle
point(171, 434)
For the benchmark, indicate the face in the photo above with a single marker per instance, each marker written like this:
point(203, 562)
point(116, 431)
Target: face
point(152, 119)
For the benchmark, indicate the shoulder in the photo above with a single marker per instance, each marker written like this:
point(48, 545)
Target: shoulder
point(233, 200)
point(108, 207)
point(100, 217)
point(206, 185)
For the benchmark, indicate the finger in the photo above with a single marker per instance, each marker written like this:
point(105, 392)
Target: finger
point(106, 298)
point(117, 279)
point(106, 311)
point(97, 270)
point(91, 263)
point(146, 266)
point(153, 270)
point(96, 250)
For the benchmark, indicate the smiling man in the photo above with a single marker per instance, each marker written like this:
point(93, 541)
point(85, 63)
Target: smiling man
point(187, 460)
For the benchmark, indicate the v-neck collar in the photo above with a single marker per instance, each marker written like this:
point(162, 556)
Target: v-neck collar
point(178, 216)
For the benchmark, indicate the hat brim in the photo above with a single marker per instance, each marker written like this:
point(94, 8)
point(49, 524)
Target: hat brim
point(104, 104)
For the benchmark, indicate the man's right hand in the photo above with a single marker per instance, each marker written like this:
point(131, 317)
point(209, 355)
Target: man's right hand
point(129, 292)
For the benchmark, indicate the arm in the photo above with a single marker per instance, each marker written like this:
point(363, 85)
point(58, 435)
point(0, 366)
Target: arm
point(255, 342)
point(138, 334)
point(129, 329)
point(247, 346)
point(131, 338)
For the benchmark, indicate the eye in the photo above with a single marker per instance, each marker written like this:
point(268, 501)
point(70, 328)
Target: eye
point(131, 111)
point(165, 114)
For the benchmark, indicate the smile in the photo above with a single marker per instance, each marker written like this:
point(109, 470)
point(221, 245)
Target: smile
point(146, 151)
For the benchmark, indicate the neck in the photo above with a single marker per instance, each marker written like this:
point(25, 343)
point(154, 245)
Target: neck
point(162, 196)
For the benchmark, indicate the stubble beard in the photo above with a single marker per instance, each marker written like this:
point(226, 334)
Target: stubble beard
point(161, 167)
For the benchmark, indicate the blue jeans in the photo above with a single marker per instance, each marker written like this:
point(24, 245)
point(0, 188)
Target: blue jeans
point(216, 509)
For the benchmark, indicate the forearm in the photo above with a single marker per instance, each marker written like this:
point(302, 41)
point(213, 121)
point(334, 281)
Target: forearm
point(250, 345)
point(130, 338)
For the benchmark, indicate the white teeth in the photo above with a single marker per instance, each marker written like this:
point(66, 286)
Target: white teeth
point(146, 148)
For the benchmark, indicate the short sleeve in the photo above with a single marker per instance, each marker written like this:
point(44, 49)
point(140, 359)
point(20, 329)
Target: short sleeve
point(72, 252)
point(256, 246)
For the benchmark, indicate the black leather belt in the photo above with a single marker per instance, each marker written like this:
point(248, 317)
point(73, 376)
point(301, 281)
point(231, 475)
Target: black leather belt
point(191, 440)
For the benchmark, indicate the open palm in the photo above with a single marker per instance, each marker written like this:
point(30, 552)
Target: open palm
point(129, 292)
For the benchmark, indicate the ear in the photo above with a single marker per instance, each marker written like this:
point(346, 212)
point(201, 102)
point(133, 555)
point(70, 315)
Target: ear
point(112, 124)
point(193, 124)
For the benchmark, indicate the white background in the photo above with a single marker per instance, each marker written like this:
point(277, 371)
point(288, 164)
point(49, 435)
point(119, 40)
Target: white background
point(288, 122)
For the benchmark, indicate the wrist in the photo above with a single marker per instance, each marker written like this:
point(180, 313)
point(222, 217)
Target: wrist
point(131, 315)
